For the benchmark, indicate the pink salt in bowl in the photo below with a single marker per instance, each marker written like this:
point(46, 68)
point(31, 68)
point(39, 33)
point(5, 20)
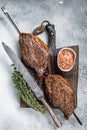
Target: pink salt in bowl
point(66, 59)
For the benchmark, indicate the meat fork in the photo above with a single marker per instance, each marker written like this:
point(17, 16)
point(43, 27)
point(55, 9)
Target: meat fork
point(9, 18)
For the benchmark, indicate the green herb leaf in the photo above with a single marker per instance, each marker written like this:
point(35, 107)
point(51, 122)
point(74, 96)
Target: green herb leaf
point(25, 92)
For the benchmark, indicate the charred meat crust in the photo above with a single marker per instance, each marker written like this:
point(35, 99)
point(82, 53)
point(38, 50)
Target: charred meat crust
point(34, 52)
point(60, 94)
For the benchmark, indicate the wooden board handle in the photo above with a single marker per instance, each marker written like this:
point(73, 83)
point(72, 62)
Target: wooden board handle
point(50, 28)
point(53, 115)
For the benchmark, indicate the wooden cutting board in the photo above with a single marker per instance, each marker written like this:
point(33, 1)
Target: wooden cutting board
point(71, 76)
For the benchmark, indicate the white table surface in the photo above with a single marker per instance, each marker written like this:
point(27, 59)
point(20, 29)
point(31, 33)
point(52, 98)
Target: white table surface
point(70, 19)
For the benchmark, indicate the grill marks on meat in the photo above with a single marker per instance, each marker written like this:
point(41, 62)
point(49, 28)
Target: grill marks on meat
point(60, 94)
point(34, 52)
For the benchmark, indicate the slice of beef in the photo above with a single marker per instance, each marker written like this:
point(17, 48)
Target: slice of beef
point(60, 94)
point(34, 52)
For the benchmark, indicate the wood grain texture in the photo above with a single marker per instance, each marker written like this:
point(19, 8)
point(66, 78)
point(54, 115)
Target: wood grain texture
point(71, 76)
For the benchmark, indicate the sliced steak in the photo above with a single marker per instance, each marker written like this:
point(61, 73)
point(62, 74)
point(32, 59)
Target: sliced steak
point(60, 94)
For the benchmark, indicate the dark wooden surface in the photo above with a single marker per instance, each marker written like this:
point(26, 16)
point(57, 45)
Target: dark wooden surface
point(71, 76)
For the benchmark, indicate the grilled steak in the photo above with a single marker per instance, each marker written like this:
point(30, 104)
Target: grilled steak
point(34, 52)
point(60, 94)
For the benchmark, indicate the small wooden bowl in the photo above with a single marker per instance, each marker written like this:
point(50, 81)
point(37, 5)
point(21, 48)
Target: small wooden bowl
point(66, 59)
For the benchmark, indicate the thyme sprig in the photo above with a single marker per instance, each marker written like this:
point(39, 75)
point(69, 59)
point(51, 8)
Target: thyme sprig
point(25, 92)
